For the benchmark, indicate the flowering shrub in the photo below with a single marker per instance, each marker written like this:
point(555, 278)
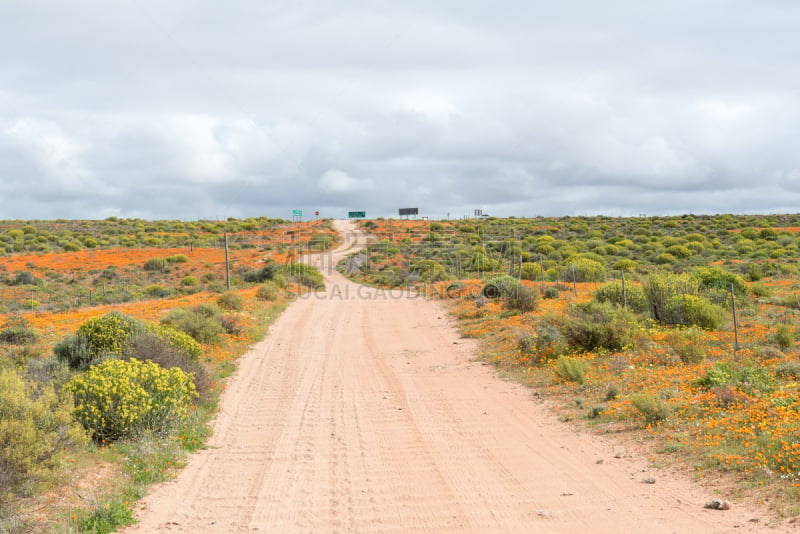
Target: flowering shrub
point(118, 398)
point(109, 333)
point(34, 427)
point(177, 340)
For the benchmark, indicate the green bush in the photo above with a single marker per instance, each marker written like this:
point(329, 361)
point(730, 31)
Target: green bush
point(531, 271)
point(155, 264)
point(109, 333)
point(688, 345)
point(268, 291)
point(501, 286)
point(17, 331)
point(572, 369)
point(584, 270)
point(743, 376)
point(304, 274)
point(524, 299)
point(157, 291)
point(550, 342)
point(76, 352)
point(231, 301)
point(35, 426)
point(633, 296)
point(715, 278)
point(593, 325)
point(665, 258)
point(120, 398)
point(783, 336)
point(660, 287)
point(189, 281)
point(196, 322)
point(551, 293)
point(691, 310)
point(626, 265)
point(179, 341)
point(256, 276)
point(429, 271)
point(652, 408)
point(177, 258)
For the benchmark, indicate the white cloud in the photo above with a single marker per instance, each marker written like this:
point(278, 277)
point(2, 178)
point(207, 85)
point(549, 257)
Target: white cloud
point(336, 181)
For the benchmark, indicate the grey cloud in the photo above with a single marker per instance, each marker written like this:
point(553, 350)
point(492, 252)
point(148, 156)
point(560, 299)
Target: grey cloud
point(520, 108)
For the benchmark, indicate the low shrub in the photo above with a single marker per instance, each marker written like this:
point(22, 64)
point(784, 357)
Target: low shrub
point(199, 322)
point(584, 270)
point(633, 298)
point(783, 336)
point(550, 342)
point(232, 323)
point(304, 274)
point(189, 281)
point(652, 408)
point(500, 286)
point(531, 271)
point(268, 291)
point(429, 271)
point(120, 398)
point(35, 426)
point(550, 293)
point(745, 377)
point(257, 276)
point(524, 299)
point(692, 310)
point(180, 341)
point(595, 325)
point(718, 279)
point(688, 345)
point(76, 352)
point(572, 369)
point(17, 331)
point(231, 301)
point(109, 333)
point(525, 340)
point(177, 258)
point(761, 290)
point(157, 291)
point(155, 264)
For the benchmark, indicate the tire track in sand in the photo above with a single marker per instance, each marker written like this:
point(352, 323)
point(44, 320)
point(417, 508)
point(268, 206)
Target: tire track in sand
point(366, 414)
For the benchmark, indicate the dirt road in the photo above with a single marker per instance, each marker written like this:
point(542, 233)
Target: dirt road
point(364, 411)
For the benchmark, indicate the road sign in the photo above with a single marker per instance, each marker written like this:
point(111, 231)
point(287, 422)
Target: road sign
point(356, 214)
point(297, 213)
point(409, 211)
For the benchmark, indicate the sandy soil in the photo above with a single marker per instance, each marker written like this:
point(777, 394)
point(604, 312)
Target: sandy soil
point(364, 411)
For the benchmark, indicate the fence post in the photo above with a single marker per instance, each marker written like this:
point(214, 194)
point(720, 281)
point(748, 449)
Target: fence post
point(624, 294)
point(735, 322)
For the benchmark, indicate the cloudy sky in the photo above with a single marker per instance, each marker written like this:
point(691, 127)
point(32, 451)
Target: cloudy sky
point(201, 108)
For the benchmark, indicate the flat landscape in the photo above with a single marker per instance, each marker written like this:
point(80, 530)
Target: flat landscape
point(493, 375)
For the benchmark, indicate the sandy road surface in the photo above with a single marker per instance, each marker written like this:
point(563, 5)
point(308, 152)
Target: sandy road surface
point(363, 411)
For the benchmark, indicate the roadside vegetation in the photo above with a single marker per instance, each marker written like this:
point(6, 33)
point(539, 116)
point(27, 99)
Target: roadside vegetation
point(628, 323)
point(116, 338)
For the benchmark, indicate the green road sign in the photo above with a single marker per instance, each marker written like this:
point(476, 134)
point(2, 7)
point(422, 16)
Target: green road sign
point(356, 214)
point(297, 213)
